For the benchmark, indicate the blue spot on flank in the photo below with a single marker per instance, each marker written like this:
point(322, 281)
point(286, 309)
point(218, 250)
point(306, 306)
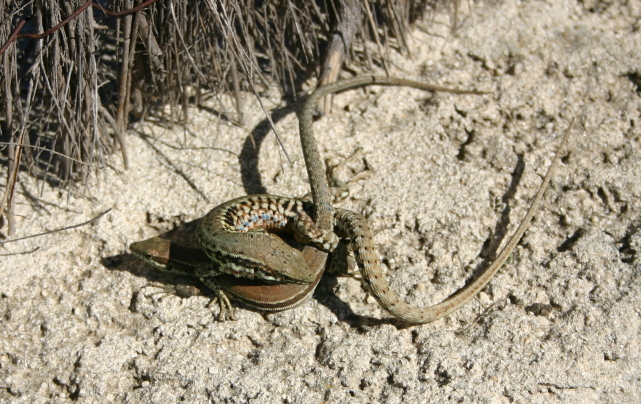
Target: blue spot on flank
point(266, 216)
point(245, 224)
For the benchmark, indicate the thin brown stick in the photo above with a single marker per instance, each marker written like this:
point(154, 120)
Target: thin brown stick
point(15, 35)
point(20, 253)
point(52, 152)
point(57, 230)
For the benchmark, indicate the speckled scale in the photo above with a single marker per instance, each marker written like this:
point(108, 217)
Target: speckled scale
point(237, 237)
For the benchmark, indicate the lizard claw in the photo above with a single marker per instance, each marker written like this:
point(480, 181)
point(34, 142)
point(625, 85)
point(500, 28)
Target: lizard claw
point(227, 311)
point(339, 188)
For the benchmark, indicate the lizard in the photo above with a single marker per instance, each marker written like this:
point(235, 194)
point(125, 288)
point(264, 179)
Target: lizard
point(169, 256)
point(353, 225)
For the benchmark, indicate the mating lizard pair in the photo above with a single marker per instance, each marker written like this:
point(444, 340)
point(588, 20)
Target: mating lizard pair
point(240, 258)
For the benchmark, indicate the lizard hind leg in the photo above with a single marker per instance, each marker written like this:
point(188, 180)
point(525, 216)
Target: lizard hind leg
point(341, 261)
point(339, 188)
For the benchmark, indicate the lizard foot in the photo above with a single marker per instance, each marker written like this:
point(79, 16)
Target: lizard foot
point(226, 310)
point(341, 261)
point(339, 188)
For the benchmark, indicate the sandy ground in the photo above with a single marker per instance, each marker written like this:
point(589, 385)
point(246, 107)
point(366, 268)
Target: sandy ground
point(81, 319)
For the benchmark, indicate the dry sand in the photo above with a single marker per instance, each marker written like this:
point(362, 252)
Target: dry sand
point(559, 323)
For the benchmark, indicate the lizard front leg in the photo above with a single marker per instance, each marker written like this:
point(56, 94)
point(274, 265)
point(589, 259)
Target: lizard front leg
point(171, 257)
point(226, 311)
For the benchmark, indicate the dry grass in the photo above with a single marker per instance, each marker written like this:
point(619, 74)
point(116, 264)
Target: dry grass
point(69, 97)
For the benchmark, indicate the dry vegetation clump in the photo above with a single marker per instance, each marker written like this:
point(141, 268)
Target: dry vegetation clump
point(71, 88)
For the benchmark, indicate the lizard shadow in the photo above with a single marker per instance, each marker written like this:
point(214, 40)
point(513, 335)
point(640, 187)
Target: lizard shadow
point(325, 295)
point(250, 152)
point(490, 249)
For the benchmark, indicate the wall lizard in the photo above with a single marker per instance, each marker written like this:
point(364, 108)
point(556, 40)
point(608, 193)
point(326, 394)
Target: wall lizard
point(350, 225)
point(234, 234)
